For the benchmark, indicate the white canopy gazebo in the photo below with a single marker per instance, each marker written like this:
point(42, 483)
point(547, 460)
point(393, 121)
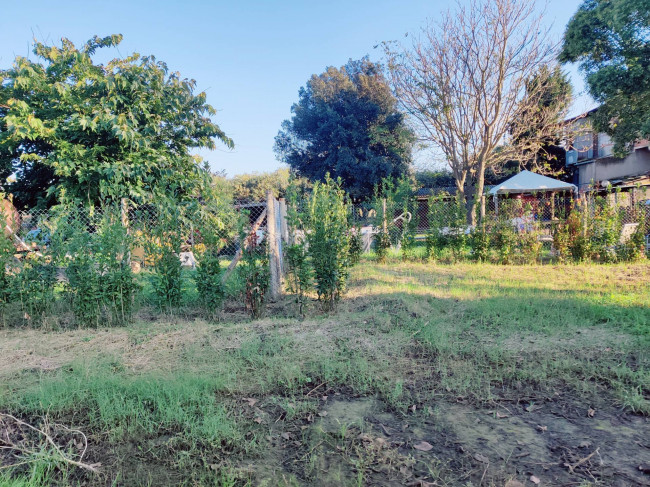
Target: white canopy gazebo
point(530, 182)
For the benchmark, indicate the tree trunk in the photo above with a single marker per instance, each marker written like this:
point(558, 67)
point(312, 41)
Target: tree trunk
point(474, 201)
point(470, 196)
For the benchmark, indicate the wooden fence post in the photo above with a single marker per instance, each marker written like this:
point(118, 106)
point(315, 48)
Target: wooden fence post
point(278, 238)
point(274, 251)
point(283, 220)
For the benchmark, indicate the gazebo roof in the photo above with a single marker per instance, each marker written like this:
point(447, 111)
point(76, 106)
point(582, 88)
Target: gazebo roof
point(529, 182)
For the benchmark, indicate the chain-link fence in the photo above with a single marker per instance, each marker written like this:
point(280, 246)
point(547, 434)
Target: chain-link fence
point(444, 213)
point(419, 216)
point(188, 228)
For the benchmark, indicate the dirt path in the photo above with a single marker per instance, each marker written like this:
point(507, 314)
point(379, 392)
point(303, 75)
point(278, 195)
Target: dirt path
point(355, 441)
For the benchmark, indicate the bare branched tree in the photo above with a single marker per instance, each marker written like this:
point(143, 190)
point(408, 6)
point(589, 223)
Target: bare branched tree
point(466, 83)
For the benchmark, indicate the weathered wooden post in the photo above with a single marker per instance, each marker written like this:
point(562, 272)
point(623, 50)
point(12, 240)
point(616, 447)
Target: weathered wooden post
point(283, 220)
point(274, 251)
point(278, 239)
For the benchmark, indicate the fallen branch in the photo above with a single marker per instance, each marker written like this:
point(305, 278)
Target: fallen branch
point(580, 462)
point(62, 456)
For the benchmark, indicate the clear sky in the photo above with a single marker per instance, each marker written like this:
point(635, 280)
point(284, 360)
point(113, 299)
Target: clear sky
point(250, 57)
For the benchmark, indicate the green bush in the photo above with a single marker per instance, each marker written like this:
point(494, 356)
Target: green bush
point(505, 237)
point(382, 245)
point(6, 256)
point(208, 281)
point(356, 245)
point(255, 274)
point(327, 226)
point(605, 230)
point(95, 248)
point(634, 249)
point(479, 243)
point(447, 223)
point(163, 247)
point(299, 273)
point(33, 288)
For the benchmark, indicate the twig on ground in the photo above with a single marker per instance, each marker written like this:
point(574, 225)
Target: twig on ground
point(580, 462)
point(91, 468)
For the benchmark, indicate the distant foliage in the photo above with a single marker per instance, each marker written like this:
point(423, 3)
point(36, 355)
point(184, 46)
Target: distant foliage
point(609, 39)
point(346, 123)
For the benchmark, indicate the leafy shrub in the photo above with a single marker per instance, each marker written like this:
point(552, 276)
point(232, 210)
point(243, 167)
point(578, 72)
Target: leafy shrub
point(382, 245)
point(605, 230)
point(84, 285)
point(208, 281)
point(6, 254)
point(255, 273)
point(164, 249)
point(529, 247)
point(505, 235)
point(356, 246)
point(479, 243)
point(167, 279)
point(410, 228)
point(33, 287)
point(579, 244)
point(634, 249)
point(327, 226)
point(561, 239)
point(94, 245)
point(447, 224)
point(299, 273)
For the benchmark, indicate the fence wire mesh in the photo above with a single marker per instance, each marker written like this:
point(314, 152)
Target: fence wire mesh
point(426, 215)
point(420, 216)
point(150, 223)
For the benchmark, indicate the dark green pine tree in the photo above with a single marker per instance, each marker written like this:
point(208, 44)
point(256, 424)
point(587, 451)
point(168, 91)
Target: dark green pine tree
point(346, 123)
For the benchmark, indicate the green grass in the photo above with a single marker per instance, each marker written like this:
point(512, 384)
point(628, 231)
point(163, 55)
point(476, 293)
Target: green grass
point(407, 334)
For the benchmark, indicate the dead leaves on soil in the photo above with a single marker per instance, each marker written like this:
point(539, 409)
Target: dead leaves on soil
point(423, 446)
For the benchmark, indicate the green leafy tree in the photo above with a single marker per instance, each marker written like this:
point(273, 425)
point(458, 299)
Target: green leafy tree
point(346, 123)
point(610, 39)
point(254, 187)
point(74, 130)
point(434, 179)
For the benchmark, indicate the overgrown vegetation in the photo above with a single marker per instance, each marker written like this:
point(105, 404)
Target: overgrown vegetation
point(255, 274)
point(327, 234)
point(432, 347)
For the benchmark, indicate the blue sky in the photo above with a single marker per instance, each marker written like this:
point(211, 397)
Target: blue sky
point(250, 57)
